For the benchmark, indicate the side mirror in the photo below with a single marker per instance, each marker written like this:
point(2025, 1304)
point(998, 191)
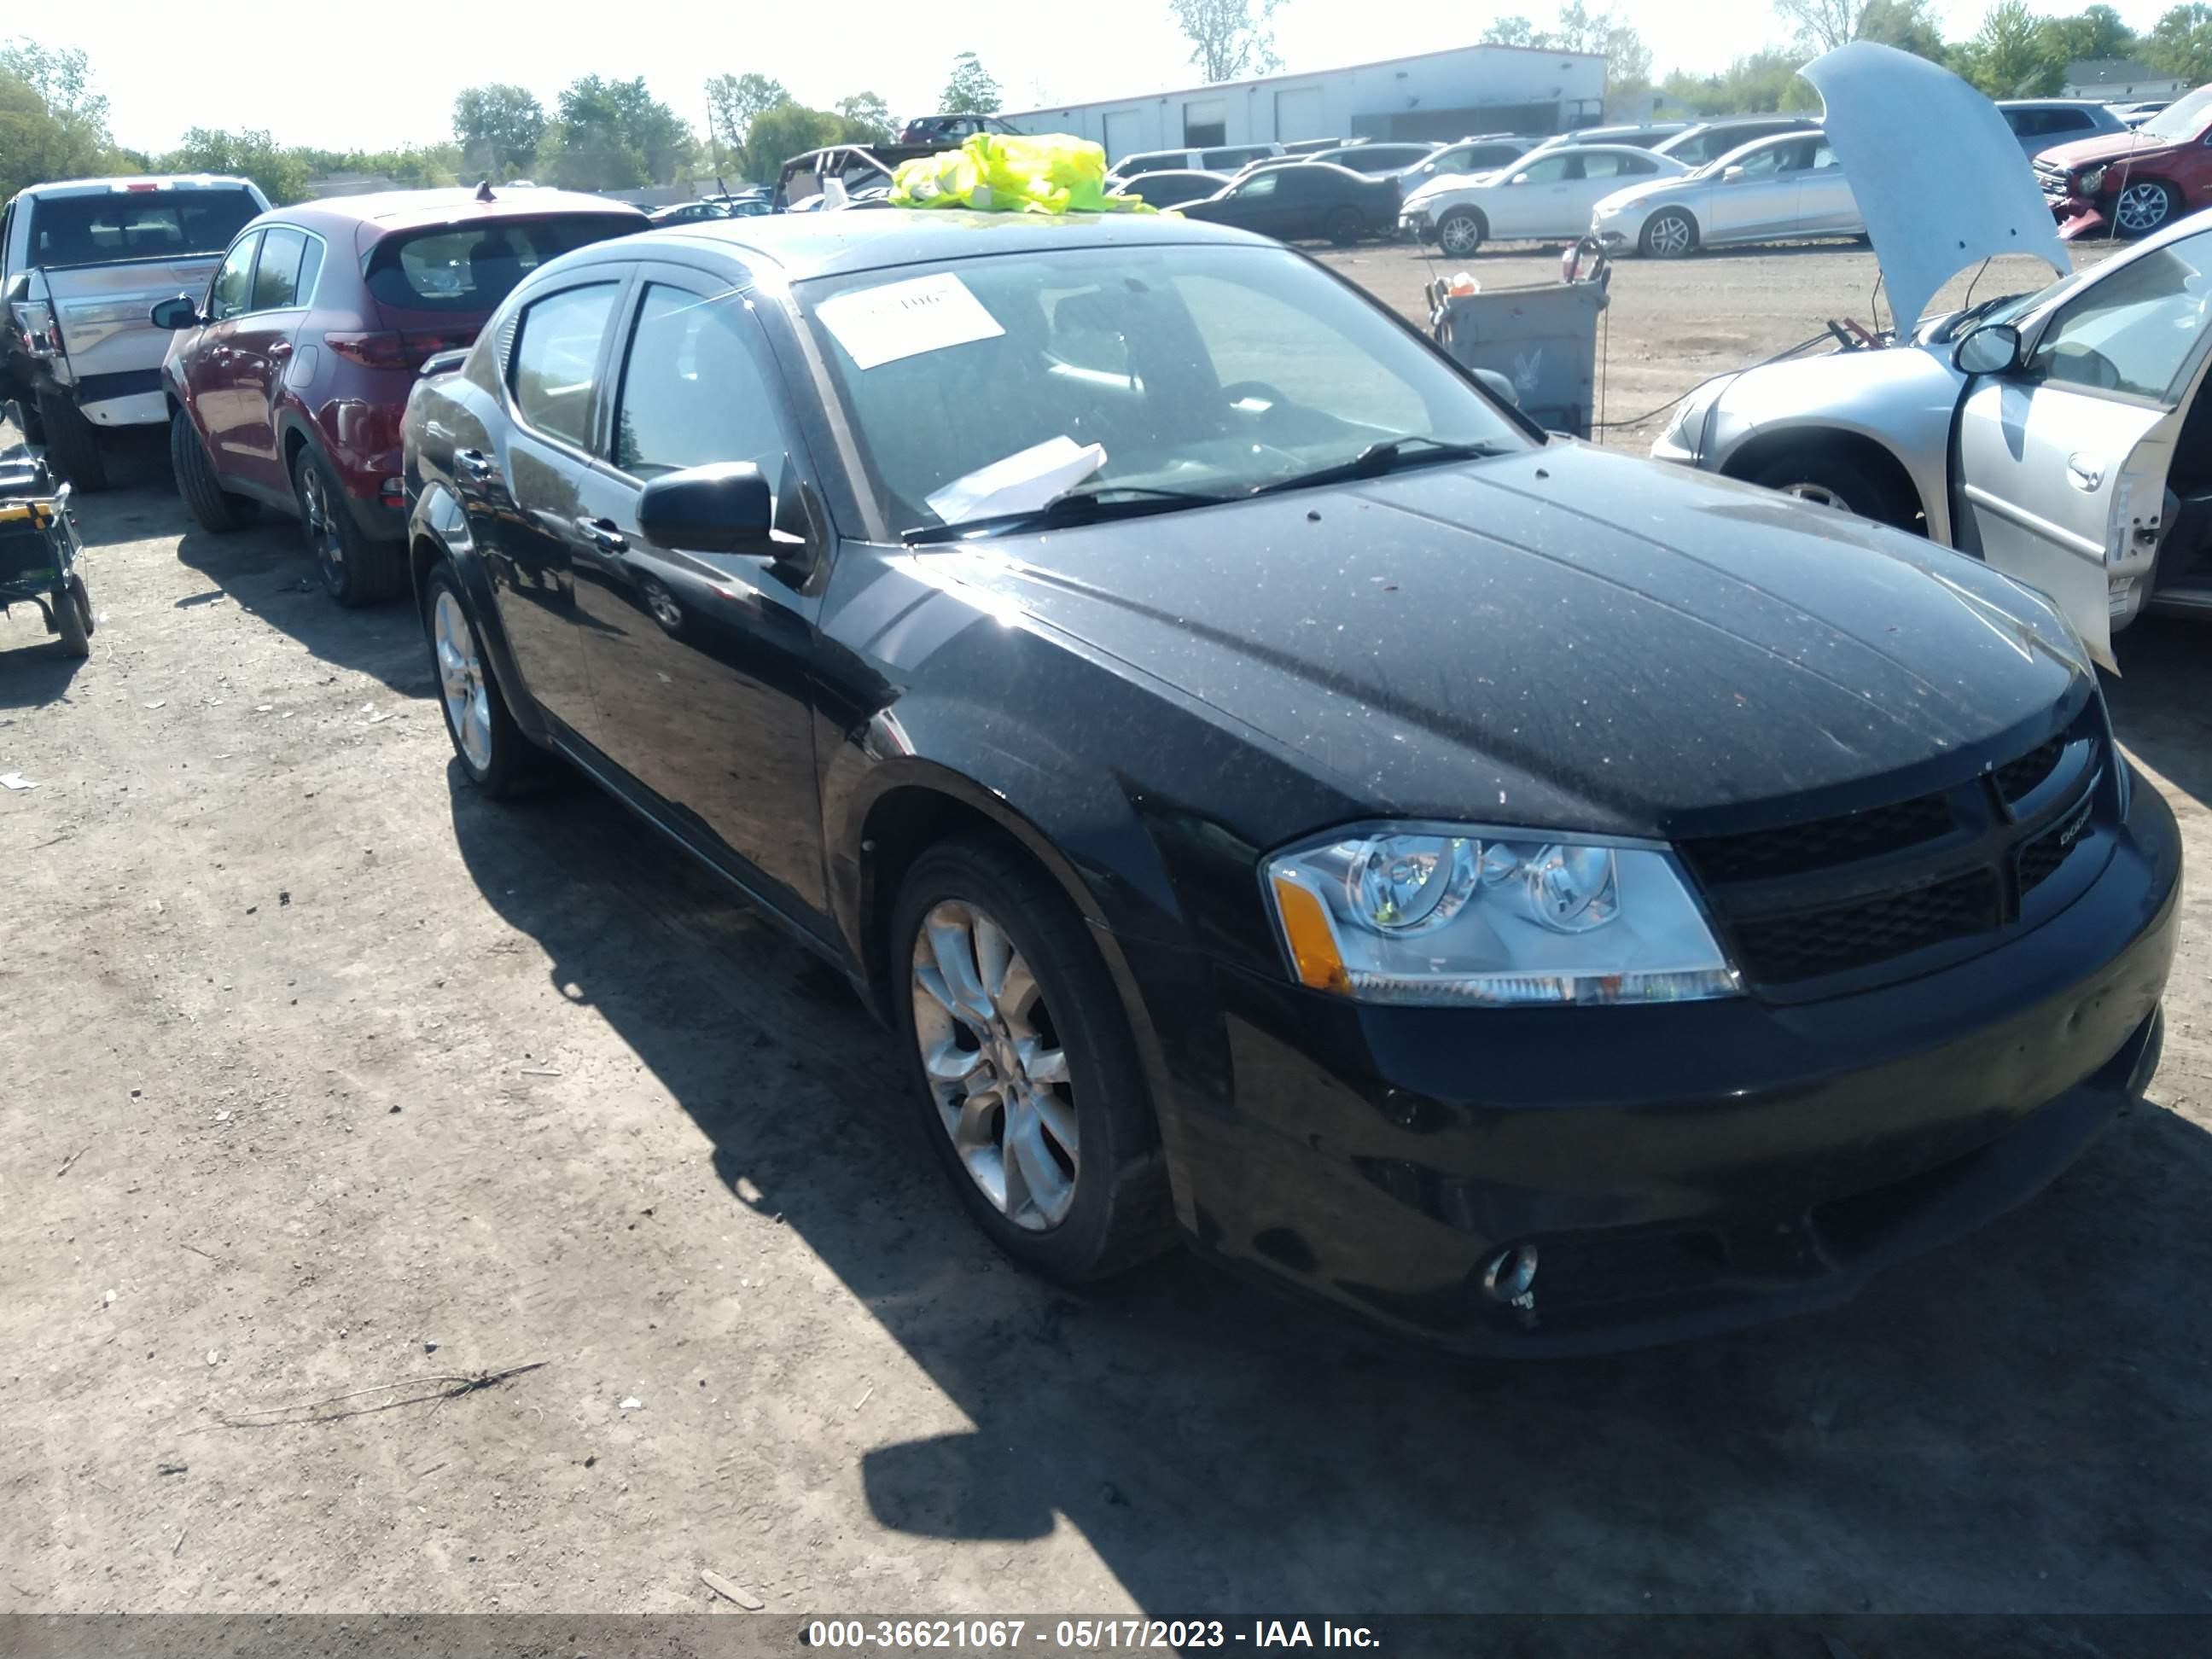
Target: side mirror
point(183, 311)
point(722, 508)
point(1731, 175)
point(1518, 179)
point(1498, 386)
point(1994, 350)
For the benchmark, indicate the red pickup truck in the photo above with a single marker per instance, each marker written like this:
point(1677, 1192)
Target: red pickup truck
point(2133, 182)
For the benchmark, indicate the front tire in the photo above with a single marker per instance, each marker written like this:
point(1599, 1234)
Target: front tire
point(1669, 233)
point(498, 759)
point(354, 570)
point(72, 444)
point(1460, 233)
point(72, 618)
point(1024, 1071)
point(213, 507)
point(2146, 205)
point(1839, 481)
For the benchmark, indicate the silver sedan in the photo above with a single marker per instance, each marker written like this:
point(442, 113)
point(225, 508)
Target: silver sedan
point(1770, 190)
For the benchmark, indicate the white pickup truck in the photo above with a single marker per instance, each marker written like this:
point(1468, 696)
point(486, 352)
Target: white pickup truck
point(82, 264)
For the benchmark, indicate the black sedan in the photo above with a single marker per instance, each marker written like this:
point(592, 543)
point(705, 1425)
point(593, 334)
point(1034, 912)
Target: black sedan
point(1305, 201)
point(1540, 899)
point(1173, 186)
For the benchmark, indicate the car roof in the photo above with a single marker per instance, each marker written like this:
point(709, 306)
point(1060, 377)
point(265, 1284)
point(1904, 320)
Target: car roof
point(828, 244)
point(411, 209)
point(2052, 103)
point(122, 183)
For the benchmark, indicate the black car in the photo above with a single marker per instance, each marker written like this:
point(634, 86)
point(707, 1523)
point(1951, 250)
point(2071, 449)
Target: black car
point(949, 129)
point(1303, 201)
point(1540, 899)
point(1174, 186)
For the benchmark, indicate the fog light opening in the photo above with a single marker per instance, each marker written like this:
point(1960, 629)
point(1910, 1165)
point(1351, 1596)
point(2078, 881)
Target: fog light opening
point(1510, 1277)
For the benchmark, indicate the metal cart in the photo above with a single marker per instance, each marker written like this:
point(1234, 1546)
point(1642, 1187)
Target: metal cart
point(39, 548)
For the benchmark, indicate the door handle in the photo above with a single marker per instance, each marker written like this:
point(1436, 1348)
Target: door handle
point(473, 462)
point(602, 534)
point(2084, 472)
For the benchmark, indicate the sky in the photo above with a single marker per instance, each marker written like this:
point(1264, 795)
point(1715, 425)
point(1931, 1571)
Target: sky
point(341, 77)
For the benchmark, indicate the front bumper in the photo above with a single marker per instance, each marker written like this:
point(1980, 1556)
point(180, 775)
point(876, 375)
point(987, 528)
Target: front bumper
point(1686, 1168)
point(1415, 225)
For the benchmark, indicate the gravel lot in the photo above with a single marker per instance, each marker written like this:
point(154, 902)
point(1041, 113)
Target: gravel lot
point(315, 1061)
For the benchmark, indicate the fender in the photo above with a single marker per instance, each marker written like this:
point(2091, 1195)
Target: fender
point(437, 527)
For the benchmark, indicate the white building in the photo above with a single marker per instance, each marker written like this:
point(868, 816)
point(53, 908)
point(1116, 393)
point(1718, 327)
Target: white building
point(1436, 95)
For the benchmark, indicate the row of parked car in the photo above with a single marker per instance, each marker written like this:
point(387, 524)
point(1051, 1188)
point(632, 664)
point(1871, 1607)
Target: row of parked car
point(1662, 189)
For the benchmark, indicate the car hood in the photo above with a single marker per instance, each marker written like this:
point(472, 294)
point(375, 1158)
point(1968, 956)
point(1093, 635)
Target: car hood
point(1564, 638)
point(1451, 184)
point(1638, 195)
point(2105, 147)
point(1886, 113)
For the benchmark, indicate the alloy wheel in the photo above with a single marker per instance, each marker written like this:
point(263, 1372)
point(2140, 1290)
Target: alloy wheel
point(1670, 235)
point(2142, 208)
point(318, 517)
point(461, 679)
point(995, 1064)
point(1458, 234)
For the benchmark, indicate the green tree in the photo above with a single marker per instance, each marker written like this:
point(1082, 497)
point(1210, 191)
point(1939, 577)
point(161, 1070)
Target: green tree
point(786, 130)
point(2008, 56)
point(588, 155)
point(2099, 32)
point(62, 80)
point(1908, 25)
point(37, 145)
point(971, 91)
point(499, 127)
point(2181, 43)
point(1820, 25)
point(735, 101)
point(1228, 38)
point(866, 118)
point(1751, 85)
point(1509, 32)
point(1605, 32)
point(283, 174)
point(615, 135)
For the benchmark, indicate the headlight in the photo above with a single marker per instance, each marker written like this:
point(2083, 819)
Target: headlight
point(2090, 182)
point(1458, 916)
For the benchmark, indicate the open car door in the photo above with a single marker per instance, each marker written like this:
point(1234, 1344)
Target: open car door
point(2061, 462)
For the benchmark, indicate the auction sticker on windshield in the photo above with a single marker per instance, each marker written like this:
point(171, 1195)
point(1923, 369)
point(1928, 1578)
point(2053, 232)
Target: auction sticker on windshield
point(878, 325)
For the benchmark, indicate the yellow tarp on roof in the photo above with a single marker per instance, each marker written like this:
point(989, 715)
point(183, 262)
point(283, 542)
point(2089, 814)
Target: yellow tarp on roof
point(1012, 172)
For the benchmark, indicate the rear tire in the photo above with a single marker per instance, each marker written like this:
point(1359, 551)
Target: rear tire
point(490, 747)
point(1840, 481)
point(72, 444)
point(354, 570)
point(72, 619)
point(1460, 231)
point(212, 507)
point(1669, 233)
point(1086, 1196)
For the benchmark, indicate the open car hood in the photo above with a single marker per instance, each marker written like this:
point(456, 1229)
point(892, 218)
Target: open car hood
point(1889, 114)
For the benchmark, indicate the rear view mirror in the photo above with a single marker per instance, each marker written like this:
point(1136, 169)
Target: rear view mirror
point(1991, 350)
point(179, 312)
point(722, 508)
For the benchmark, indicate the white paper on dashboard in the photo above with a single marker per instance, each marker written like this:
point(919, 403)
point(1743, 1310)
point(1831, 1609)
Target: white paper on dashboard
point(1021, 482)
point(880, 325)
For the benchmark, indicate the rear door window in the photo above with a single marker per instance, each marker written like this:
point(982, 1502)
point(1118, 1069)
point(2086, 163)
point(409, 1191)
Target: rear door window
point(277, 278)
point(472, 268)
point(136, 224)
point(556, 355)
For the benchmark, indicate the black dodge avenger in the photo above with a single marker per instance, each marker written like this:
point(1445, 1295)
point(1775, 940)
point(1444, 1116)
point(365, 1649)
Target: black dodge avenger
point(1542, 900)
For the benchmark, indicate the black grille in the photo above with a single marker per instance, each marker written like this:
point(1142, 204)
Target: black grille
point(2040, 858)
point(1777, 951)
point(1800, 847)
point(2017, 780)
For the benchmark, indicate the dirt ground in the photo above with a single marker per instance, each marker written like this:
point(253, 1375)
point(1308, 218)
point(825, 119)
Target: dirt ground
point(321, 1074)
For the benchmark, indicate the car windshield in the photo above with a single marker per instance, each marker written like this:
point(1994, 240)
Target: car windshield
point(472, 267)
point(2014, 306)
point(161, 222)
point(2180, 120)
point(1202, 370)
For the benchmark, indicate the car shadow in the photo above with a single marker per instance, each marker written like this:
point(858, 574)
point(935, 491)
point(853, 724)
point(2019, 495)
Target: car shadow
point(2010, 1424)
point(2157, 699)
point(35, 668)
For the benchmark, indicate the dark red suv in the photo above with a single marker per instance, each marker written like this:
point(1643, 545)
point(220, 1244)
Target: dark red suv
point(287, 380)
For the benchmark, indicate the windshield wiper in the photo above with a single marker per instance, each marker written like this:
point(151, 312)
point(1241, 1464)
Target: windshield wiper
point(1077, 507)
point(1387, 456)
